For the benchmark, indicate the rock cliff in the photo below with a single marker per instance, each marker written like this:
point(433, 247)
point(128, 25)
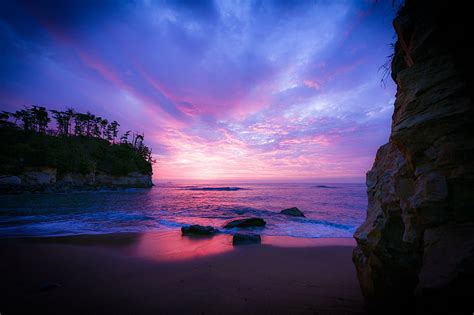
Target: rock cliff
point(416, 246)
point(46, 179)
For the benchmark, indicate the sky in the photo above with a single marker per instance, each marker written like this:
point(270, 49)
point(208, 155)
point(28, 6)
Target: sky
point(222, 90)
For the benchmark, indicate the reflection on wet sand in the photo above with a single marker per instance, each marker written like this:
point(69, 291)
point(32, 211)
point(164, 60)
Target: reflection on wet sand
point(166, 246)
point(172, 246)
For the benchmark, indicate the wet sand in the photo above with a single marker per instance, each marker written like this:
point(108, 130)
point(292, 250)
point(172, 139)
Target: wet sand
point(166, 273)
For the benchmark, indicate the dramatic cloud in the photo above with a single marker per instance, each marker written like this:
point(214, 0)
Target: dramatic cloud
point(233, 90)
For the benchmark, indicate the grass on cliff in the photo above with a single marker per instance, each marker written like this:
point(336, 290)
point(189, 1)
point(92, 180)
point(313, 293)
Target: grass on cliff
point(77, 154)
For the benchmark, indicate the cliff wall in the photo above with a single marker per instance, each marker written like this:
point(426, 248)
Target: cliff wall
point(416, 246)
point(46, 179)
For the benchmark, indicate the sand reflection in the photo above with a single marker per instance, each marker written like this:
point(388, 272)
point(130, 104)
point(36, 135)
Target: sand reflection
point(167, 246)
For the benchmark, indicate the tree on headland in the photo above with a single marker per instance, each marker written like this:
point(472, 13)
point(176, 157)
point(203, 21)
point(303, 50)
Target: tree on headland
point(124, 137)
point(4, 116)
point(112, 130)
point(70, 123)
point(68, 117)
point(62, 123)
point(25, 119)
point(103, 128)
point(40, 118)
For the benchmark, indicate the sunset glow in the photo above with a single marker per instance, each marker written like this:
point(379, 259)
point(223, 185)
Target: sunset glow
point(222, 90)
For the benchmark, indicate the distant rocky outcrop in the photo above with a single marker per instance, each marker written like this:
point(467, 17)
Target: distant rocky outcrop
point(246, 239)
point(324, 186)
point(294, 211)
point(244, 223)
point(416, 247)
point(198, 230)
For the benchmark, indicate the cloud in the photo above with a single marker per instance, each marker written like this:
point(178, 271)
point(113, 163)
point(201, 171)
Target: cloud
point(222, 89)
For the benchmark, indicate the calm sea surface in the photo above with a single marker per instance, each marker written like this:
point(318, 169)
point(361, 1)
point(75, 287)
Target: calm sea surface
point(332, 210)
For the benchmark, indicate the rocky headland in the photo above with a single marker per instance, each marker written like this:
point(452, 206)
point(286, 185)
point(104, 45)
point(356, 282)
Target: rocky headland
point(82, 153)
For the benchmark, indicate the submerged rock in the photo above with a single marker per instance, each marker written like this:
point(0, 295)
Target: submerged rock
point(243, 223)
point(198, 230)
point(293, 212)
point(245, 239)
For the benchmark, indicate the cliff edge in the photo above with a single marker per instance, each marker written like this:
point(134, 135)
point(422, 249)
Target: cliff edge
point(416, 246)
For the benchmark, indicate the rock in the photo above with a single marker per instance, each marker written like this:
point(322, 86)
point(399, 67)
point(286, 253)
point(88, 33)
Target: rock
point(46, 180)
point(295, 212)
point(77, 179)
point(39, 176)
point(415, 246)
point(10, 180)
point(244, 223)
point(216, 188)
point(324, 186)
point(198, 230)
point(446, 248)
point(245, 239)
point(133, 179)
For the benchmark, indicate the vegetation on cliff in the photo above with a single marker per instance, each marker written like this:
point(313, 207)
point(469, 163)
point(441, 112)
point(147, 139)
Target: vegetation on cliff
point(80, 143)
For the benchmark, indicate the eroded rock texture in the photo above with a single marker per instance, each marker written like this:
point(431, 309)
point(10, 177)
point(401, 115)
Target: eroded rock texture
point(416, 246)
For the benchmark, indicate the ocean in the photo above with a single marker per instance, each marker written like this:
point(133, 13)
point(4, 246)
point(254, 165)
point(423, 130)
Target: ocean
point(332, 210)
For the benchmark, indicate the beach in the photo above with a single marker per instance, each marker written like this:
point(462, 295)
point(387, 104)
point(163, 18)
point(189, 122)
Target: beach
point(166, 273)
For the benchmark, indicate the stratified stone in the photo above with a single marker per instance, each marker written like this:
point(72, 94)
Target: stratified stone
point(10, 180)
point(416, 245)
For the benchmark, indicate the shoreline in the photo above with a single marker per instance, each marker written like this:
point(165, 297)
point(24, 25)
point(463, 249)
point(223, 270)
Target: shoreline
point(164, 272)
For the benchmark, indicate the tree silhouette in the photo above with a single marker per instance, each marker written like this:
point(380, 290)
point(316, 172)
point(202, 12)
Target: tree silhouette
point(112, 129)
point(124, 138)
point(39, 118)
point(71, 123)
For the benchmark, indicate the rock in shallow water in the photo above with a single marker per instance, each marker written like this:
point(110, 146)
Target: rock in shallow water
point(245, 239)
point(243, 223)
point(198, 230)
point(293, 212)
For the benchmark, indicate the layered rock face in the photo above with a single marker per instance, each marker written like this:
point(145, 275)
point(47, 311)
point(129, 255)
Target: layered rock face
point(416, 246)
point(46, 179)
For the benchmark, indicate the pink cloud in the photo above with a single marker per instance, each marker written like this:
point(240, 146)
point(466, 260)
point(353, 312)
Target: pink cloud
point(312, 84)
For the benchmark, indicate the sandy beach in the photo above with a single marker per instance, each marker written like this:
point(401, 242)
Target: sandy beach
point(166, 273)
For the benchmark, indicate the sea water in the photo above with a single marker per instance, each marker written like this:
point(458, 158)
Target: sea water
point(331, 210)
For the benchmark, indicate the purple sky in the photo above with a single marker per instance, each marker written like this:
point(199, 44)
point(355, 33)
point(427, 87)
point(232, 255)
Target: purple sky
point(224, 90)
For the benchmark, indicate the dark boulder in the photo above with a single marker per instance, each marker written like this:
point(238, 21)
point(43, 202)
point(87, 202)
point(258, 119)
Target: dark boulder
point(293, 212)
point(198, 230)
point(245, 239)
point(243, 223)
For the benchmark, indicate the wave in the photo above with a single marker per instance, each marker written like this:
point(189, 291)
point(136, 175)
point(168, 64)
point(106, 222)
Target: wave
point(215, 188)
point(331, 224)
point(324, 186)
